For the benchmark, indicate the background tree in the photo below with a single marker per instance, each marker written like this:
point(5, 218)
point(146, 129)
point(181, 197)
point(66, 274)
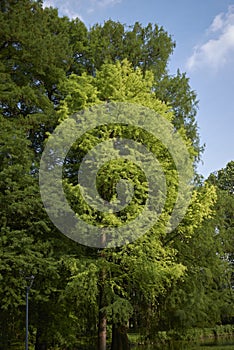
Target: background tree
point(148, 48)
point(34, 56)
point(205, 296)
point(223, 224)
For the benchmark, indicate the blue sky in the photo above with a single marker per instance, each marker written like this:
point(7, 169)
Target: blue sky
point(204, 35)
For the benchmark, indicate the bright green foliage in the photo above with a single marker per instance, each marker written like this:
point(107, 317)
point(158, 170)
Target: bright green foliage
point(51, 67)
point(113, 82)
point(148, 48)
point(140, 274)
point(79, 93)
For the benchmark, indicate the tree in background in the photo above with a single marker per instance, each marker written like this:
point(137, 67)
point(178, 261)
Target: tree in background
point(223, 224)
point(205, 296)
point(148, 48)
point(34, 52)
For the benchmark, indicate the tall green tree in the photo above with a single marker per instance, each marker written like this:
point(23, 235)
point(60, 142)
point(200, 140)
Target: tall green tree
point(148, 48)
point(109, 62)
point(34, 51)
point(144, 270)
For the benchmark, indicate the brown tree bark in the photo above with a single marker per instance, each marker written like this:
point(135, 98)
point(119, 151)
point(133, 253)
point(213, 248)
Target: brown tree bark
point(102, 303)
point(102, 331)
point(119, 338)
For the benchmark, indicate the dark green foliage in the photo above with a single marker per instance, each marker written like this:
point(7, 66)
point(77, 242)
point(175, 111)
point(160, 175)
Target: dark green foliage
point(224, 222)
point(51, 67)
point(34, 57)
point(148, 48)
point(205, 297)
point(145, 47)
point(176, 92)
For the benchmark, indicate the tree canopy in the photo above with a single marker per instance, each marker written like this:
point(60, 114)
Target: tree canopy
point(52, 67)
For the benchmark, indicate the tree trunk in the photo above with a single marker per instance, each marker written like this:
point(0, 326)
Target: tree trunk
point(102, 303)
point(40, 344)
point(102, 331)
point(119, 338)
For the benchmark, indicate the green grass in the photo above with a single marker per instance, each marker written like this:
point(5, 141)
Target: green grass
point(188, 347)
point(221, 347)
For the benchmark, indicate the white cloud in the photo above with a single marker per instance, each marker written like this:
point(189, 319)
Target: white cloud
point(217, 23)
point(107, 3)
point(218, 49)
point(73, 8)
point(67, 8)
point(100, 4)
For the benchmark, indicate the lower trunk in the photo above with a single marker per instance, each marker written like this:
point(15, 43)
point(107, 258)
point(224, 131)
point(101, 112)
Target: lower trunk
point(102, 301)
point(119, 338)
point(40, 344)
point(102, 331)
